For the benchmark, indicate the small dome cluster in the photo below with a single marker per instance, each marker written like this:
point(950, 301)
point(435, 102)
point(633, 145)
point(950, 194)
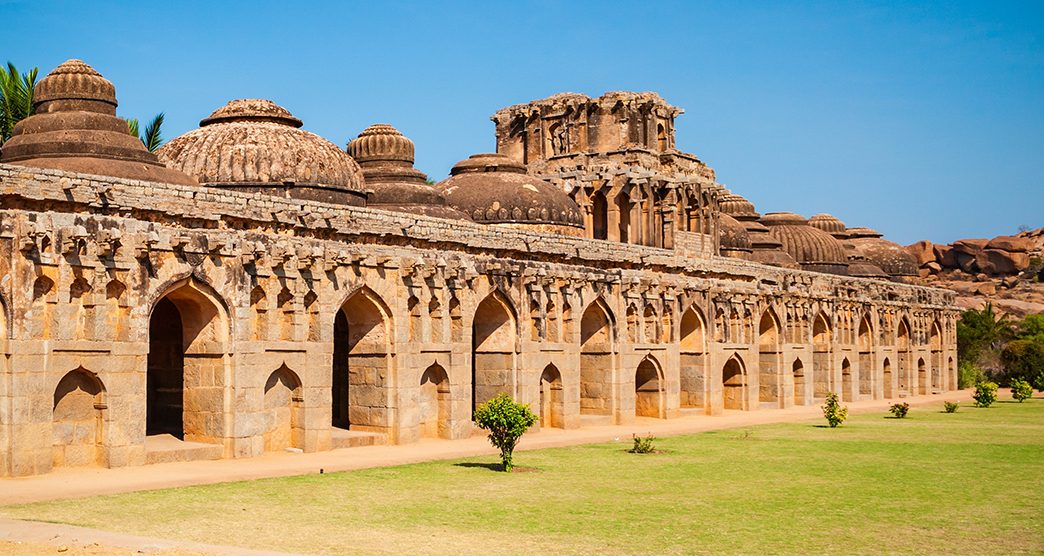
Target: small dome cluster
point(495, 189)
point(764, 247)
point(256, 145)
point(811, 247)
point(386, 158)
point(74, 128)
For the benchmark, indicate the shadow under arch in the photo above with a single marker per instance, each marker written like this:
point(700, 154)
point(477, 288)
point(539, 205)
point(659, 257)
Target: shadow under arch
point(78, 420)
point(283, 410)
point(363, 333)
point(649, 389)
point(597, 360)
point(494, 342)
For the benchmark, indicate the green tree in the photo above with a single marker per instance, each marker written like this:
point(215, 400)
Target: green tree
point(152, 138)
point(16, 98)
point(1021, 390)
point(980, 331)
point(506, 420)
point(1024, 358)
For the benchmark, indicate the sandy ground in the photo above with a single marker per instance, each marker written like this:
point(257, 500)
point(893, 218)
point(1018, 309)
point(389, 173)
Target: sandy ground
point(24, 537)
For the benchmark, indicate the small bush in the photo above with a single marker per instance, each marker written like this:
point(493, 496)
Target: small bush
point(642, 445)
point(834, 412)
point(1038, 382)
point(951, 407)
point(968, 375)
point(899, 410)
point(506, 420)
point(985, 394)
point(1021, 390)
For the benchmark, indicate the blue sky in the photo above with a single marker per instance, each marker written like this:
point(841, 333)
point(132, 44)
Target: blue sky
point(921, 120)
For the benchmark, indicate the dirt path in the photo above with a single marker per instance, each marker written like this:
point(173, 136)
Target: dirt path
point(82, 482)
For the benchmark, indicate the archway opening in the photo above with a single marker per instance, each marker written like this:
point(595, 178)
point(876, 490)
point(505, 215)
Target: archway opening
point(77, 420)
point(648, 390)
point(599, 216)
point(846, 380)
point(889, 391)
point(362, 335)
point(821, 342)
point(284, 408)
point(493, 350)
point(798, 371)
point(552, 401)
point(185, 372)
point(935, 343)
point(692, 359)
point(623, 209)
point(866, 360)
point(922, 377)
point(596, 361)
point(903, 341)
point(435, 403)
point(769, 360)
point(734, 384)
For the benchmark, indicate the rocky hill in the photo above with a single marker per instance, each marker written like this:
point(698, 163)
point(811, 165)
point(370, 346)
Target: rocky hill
point(1006, 270)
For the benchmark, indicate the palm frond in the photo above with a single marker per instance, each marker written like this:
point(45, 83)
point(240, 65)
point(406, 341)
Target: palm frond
point(153, 138)
point(132, 126)
point(16, 98)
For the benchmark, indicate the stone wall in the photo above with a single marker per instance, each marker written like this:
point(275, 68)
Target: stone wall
point(290, 317)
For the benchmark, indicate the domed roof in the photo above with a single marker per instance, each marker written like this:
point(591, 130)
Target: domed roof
point(74, 128)
point(735, 242)
point(255, 145)
point(495, 189)
point(829, 224)
point(386, 159)
point(737, 207)
point(890, 257)
point(812, 248)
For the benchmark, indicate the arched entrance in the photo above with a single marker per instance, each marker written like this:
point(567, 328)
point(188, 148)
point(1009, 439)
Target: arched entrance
point(648, 389)
point(888, 390)
point(362, 339)
point(434, 403)
point(935, 343)
point(798, 371)
point(284, 408)
point(77, 420)
point(866, 360)
point(599, 216)
point(493, 350)
point(552, 402)
point(769, 360)
point(185, 378)
point(596, 360)
point(821, 342)
point(846, 380)
point(903, 344)
point(692, 358)
point(922, 377)
point(734, 384)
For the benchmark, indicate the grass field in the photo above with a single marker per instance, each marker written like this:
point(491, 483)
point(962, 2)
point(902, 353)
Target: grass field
point(933, 483)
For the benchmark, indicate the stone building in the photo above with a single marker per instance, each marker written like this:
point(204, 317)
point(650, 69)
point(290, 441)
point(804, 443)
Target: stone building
point(237, 295)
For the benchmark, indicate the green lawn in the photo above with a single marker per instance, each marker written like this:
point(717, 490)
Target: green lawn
point(933, 483)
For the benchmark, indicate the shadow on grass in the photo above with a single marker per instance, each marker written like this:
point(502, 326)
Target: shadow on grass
point(498, 467)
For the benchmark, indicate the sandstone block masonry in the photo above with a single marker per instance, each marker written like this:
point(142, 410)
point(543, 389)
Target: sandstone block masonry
point(134, 310)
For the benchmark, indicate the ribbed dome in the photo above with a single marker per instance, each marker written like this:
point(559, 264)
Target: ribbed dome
point(829, 224)
point(495, 189)
point(255, 145)
point(737, 207)
point(735, 242)
point(812, 248)
point(890, 257)
point(386, 159)
point(74, 128)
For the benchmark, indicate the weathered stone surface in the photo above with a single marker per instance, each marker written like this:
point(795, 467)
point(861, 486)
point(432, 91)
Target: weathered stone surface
point(1004, 262)
point(1011, 244)
point(945, 256)
point(922, 251)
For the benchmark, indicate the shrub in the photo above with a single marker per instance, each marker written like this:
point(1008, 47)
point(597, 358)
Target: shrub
point(834, 412)
point(985, 394)
point(506, 420)
point(969, 374)
point(1021, 390)
point(1023, 358)
point(1038, 382)
point(642, 445)
point(951, 407)
point(899, 410)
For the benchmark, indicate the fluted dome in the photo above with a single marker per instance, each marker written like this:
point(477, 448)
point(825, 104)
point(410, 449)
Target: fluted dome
point(494, 189)
point(812, 248)
point(255, 145)
point(829, 224)
point(734, 240)
point(386, 158)
point(890, 257)
point(737, 207)
point(74, 128)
